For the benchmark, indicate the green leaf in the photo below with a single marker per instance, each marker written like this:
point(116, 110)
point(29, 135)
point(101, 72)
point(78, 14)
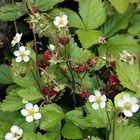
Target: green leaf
point(95, 138)
point(12, 12)
point(120, 5)
point(53, 135)
point(45, 5)
point(70, 131)
point(12, 102)
point(74, 19)
point(5, 75)
point(92, 12)
point(128, 75)
point(97, 118)
point(126, 133)
point(88, 38)
point(135, 119)
point(76, 116)
point(118, 43)
point(72, 50)
point(116, 23)
point(30, 94)
point(51, 115)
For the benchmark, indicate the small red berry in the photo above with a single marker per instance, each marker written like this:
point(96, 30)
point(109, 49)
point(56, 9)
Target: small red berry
point(113, 80)
point(84, 94)
point(35, 9)
point(81, 68)
point(48, 54)
point(49, 93)
point(64, 40)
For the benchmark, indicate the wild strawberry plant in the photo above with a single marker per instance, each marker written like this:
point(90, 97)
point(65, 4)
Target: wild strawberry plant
point(75, 71)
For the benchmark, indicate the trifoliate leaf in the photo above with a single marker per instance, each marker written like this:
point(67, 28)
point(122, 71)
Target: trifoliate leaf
point(74, 19)
point(120, 5)
point(76, 116)
point(126, 133)
point(30, 94)
point(71, 131)
point(92, 12)
point(97, 118)
point(129, 75)
point(51, 115)
point(88, 38)
point(12, 102)
point(12, 12)
point(5, 75)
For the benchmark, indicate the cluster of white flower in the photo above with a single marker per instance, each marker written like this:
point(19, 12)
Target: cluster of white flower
point(31, 112)
point(98, 100)
point(15, 133)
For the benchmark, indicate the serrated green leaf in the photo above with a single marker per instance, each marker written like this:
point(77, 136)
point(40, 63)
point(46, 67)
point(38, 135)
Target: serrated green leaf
point(88, 38)
point(45, 5)
point(30, 94)
point(51, 115)
point(72, 50)
point(116, 23)
point(12, 102)
point(120, 5)
point(5, 75)
point(92, 12)
point(12, 12)
point(97, 118)
point(118, 43)
point(128, 75)
point(129, 133)
point(53, 135)
point(71, 131)
point(76, 116)
point(74, 19)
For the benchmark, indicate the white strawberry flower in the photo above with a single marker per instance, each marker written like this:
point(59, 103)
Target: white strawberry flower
point(31, 112)
point(22, 54)
point(14, 134)
point(51, 47)
point(98, 100)
point(61, 21)
point(16, 39)
point(128, 105)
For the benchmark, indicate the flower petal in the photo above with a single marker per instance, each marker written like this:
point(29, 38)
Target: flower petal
point(22, 48)
point(103, 97)
point(24, 112)
point(134, 100)
point(20, 132)
point(57, 18)
point(92, 98)
point(29, 106)
point(64, 17)
point(120, 103)
point(126, 97)
point(14, 129)
point(97, 93)
point(9, 136)
point(27, 52)
point(128, 113)
point(18, 59)
point(29, 118)
point(102, 104)
point(16, 53)
point(36, 108)
point(135, 108)
point(56, 23)
point(37, 116)
point(26, 58)
point(95, 106)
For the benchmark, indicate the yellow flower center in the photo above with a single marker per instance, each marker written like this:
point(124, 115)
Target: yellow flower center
point(21, 53)
point(128, 105)
point(98, 99)
point(15, 38)
point(31, 112)
point(61, 21)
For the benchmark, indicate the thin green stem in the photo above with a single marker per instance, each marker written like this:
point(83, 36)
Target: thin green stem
point(113, 127)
